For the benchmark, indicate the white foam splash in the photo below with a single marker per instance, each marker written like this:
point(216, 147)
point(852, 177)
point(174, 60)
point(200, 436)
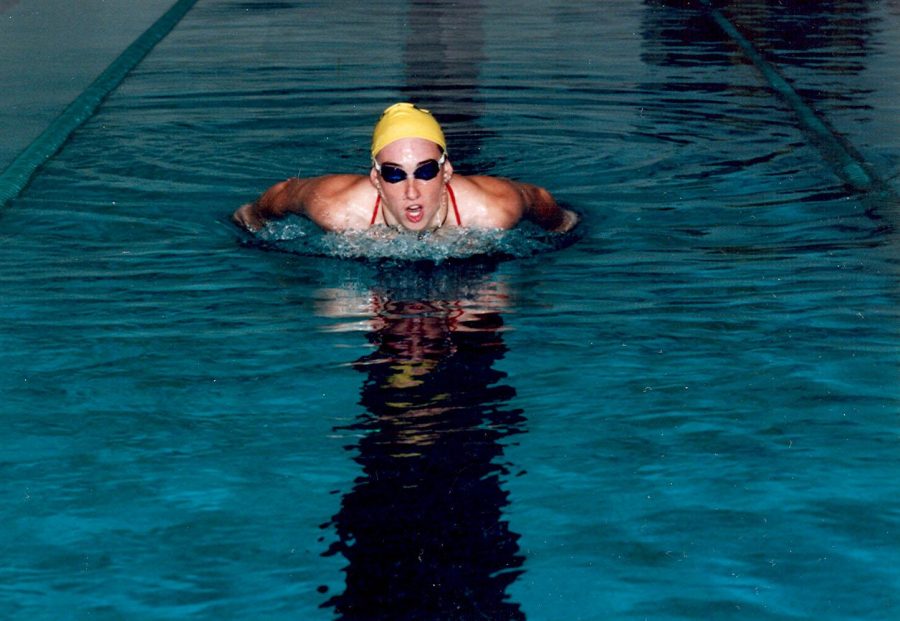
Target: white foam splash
point(300, 236)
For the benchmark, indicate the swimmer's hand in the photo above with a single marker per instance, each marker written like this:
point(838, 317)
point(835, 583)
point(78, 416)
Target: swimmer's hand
point(247, 217)
point(570, 219)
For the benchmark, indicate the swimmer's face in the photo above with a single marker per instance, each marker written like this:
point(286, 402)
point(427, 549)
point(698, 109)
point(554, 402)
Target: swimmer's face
point(415, 204)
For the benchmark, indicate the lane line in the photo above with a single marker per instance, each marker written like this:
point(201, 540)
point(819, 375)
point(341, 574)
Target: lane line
point(847, 162)
point(22, 169)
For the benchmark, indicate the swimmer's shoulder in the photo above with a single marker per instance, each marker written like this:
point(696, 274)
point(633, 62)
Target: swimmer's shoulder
point(487, 202)
point(340, 202)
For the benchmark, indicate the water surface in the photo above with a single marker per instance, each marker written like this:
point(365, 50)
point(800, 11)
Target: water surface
point(689, 413)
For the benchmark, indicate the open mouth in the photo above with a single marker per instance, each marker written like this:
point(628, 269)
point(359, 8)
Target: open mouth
point(415, 213)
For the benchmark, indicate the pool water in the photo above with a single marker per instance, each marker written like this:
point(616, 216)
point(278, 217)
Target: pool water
point(688, 413)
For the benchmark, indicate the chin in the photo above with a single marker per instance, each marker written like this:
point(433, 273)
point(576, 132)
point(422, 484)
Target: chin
point(417, 227)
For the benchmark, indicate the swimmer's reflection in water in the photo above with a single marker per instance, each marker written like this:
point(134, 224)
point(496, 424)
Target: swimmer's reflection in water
point(422, 529)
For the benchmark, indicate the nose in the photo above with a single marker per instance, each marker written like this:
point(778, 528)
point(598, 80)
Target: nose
point(412, 192)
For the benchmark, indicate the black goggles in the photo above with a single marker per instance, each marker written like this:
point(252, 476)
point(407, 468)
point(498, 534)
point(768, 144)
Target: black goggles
point(426, 171)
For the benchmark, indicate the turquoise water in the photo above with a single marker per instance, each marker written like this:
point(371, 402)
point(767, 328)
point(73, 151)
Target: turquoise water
point(688, 413)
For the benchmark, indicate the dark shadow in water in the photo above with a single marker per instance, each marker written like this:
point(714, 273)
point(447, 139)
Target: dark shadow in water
point(423, 529)
point(442, 64)
point(826, 36)
point(812, 45)
point(831, 36)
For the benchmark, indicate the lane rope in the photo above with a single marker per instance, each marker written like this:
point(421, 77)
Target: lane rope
point(22, 169)
point(847, 162)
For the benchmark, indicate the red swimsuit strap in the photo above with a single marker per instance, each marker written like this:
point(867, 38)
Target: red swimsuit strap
point(375, 213)
point(452, 200)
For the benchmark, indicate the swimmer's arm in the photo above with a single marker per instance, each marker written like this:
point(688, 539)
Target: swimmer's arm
point(540, 207)
point(278, 201)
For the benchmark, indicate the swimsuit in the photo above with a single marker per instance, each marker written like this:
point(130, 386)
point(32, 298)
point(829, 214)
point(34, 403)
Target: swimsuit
point(452, 200)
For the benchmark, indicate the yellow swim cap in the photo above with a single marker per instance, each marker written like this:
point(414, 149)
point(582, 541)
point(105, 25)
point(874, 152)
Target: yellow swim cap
point(404, 120)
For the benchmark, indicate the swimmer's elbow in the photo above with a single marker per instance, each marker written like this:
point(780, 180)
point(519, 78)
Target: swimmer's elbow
point(544, 211)
point(278, 201)
point(274, 202)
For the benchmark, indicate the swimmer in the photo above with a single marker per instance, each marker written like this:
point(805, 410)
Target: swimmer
point(408, 188)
